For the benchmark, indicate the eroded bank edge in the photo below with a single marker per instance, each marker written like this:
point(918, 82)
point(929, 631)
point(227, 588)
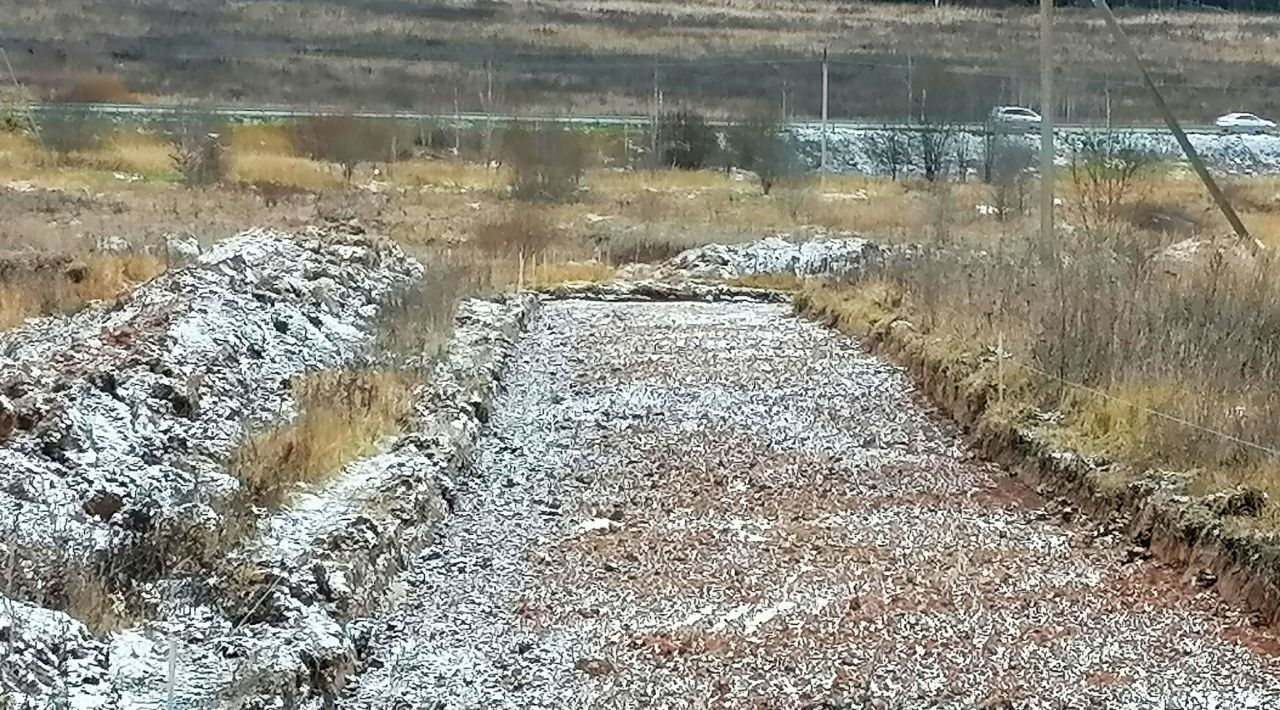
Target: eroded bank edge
point(1157, 509)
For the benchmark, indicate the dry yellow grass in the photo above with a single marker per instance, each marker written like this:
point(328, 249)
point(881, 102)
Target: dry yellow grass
point(553, 274)
point(132, 151)
point(343, 415)
point(18, 151)
point(284, 170)
point(95, 277)
point(93, 604)
point(18, 302)
point(451, 174)
point(774, 282)
point(635, 181)
point(264, 139)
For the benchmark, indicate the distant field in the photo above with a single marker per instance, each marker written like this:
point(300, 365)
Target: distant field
point(602, 56)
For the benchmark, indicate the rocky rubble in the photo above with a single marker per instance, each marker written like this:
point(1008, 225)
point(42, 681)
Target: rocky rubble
point(43, 650)
point(119, 417)
point(117, 420)
point(775, 255)
point(285, 625)
point(702, 505)
point(662, 291)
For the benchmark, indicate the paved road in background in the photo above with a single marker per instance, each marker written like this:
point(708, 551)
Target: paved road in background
point(152, 112)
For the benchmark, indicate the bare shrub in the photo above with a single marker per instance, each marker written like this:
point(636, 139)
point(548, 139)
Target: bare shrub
point(685, 141)
point(519, 232)
point(273, 194)
point(15, 110)
point(200, 156)
point(1008, 164)
point(756, 144)
point(348, 141)
point(547, 162)
point(936, 146)
point(343, 414)
point(416, 328)
point(66, 135)
point(97, 88)
point(889, 150)
point(1106, 171)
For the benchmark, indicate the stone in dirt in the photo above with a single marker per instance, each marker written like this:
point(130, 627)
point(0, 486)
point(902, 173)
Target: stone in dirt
point(8, 418)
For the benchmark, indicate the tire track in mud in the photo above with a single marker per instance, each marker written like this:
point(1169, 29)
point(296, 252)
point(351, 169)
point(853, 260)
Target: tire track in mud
point(718, 505)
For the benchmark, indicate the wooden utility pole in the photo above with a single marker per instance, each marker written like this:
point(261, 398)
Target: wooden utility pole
point(825, 85)
point(1183, 142)
point(1048, 239)
point(910, 94)
point(657, 110)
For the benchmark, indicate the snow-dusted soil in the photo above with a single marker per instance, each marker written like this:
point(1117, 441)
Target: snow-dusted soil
point(122, 415)
point(850, 149)
point(774, 255)
point(689, 505)
point(287, 628)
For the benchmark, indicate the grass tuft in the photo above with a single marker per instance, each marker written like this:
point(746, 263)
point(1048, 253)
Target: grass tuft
point(343, 415)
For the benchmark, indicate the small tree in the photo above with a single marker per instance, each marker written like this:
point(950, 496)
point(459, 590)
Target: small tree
point(521, 232)
point(1009, 164)
point(935, 143)
point(757, 145)
point(1105, 175)
point(547, 162)
point(199, 155)
point(888, 149)
point(685, 141)
point(64, 135)
point(349, 141)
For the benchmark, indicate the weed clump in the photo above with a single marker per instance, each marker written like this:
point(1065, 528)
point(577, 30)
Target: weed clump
point(547, 163)
point(342, 415)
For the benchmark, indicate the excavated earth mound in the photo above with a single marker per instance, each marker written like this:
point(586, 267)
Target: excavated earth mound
point(121, 416)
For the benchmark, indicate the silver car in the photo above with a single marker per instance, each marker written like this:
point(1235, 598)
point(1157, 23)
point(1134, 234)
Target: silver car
point(1241, 122)
point(1013, 118)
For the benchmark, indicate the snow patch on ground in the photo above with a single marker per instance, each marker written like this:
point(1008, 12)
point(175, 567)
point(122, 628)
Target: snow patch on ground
point(329, 558)
point(774, 255)
point(127, 410)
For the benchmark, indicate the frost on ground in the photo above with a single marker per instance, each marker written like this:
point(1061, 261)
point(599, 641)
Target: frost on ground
point(292, 632)
point(851, 150)
point(717, 505)
point(663, 291)
point(120, 417)
point(42, 649)
point(775, 255)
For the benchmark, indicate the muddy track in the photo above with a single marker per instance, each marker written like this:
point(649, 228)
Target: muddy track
point(721, 506)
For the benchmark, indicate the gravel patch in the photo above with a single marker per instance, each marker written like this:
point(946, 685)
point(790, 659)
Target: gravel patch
point(719, 505)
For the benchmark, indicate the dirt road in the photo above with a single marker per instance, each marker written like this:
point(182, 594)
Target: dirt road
point(720, 506)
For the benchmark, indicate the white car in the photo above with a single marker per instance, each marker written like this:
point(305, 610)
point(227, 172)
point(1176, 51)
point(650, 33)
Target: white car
point(1244, 123)
point(1014, 117)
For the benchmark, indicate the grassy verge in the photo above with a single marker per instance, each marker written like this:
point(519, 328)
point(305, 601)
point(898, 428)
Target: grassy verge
point(1136, 367)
